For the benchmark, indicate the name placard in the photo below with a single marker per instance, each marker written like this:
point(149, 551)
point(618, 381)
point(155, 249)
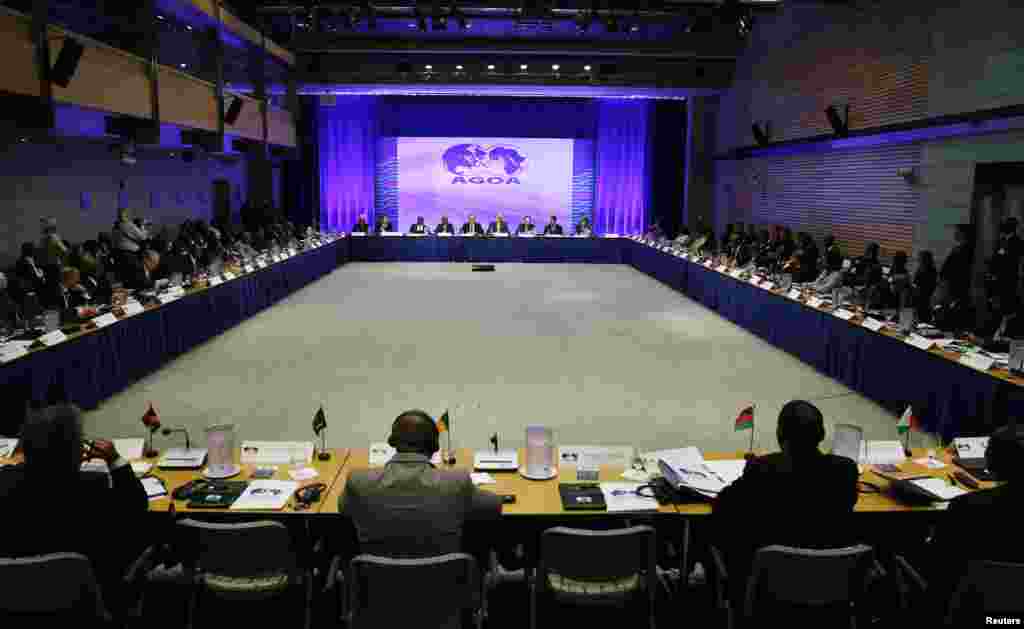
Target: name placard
point(444, 235)
point(920, 342)
point(793, 294)
point(53, 338)
point(815, 302)
point(10, 352)
point(228, 275)
point(768, 285)
point(977, 361)
point(167, 298)
point(215, 281)
point(843, 314)
point(132, 308)
point(736, 273)
point(352, 234)
point(872, 324)
point(103, 321)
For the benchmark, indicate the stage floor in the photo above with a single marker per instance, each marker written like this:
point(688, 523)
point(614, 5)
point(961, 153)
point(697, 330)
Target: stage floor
point(601, 353)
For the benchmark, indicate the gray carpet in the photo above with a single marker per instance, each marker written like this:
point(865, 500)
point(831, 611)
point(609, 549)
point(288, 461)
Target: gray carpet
point(602, 354)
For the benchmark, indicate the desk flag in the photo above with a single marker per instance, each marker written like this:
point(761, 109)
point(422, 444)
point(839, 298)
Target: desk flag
point(151, 419)
point(745, 420)
point(319, 422)
point(908, 421)
point(444, 422)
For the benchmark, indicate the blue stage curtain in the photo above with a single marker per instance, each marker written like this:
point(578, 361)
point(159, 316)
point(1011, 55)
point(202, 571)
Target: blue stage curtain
point(622, 188)
point(347, 134)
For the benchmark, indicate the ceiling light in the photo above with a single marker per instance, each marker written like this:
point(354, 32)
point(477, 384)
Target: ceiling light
point(188, 27)
point(634, 28)
point(160, 17)
point(458, 67)
point(429, 67)
point(490, 67)
point(556, 67)
point(184, 65)
point(523, 67)
point(586, 68)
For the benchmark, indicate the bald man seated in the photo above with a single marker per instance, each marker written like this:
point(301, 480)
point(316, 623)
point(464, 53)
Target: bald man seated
point(411, 509)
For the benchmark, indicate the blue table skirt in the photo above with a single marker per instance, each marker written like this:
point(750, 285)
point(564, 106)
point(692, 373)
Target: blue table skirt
point(456, 249)
point(949, 398)
point(88, 369)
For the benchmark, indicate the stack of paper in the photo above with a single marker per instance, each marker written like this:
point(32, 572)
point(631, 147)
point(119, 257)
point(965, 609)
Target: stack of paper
point(623, 497)
point(939, 488)
point(482, 478)
point(266, 494)
point(621, 456)
point(154, 488)
point(881, 453)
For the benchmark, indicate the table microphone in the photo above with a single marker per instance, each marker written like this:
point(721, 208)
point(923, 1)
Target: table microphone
point(169, 431)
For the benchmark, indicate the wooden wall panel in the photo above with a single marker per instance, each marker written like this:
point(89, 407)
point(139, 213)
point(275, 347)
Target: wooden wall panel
point(187, 101)
point(18, 54)
point(109, 80)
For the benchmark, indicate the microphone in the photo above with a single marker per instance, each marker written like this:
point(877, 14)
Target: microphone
point(169, 431)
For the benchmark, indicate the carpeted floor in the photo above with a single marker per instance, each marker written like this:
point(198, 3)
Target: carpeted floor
point(602, 354)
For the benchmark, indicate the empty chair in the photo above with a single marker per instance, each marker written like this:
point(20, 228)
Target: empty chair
point(246, 561)
point(586, 567)
point(992, 587)
point(49, 587)
point(822, 583)
point(434, 591)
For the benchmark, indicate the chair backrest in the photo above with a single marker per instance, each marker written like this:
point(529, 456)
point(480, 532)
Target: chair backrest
point(432, 588)
point(242, 549)
point(993, 586)
point(593, 555)
point(50, 584)
point(813, 578)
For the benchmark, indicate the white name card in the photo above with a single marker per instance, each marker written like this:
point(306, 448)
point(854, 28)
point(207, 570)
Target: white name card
point(499, 235)
point(977, 361)
point(445, 235)
point(352, 234)
point(167, 298)
point(737, 273)
point(228, 275)
point(261, 264)
point(103, 321)
point(872, 324)
point(768, 285)
point(391, 234)
point(10, 352)
point(53, 338)
point(843, 314)
point(248, 268)
point(132, 308)
point(707, 263)
point(611, 235)
point(815, 302)
point(920, 342)
point(215, 281)
point(793, 294)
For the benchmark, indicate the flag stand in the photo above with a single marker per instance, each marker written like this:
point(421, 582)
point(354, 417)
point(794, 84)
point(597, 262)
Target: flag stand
point(750, 450)
point(323, 455)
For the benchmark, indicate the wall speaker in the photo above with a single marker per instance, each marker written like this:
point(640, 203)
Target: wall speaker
point(762, 135)
point(840, 125)
point(234, 109)
point(67, 62)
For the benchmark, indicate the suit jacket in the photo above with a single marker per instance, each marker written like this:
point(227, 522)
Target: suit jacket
point(494, 228)
point(361, 227)
point(525, 229)
point(475, 228)
point(31, 274)
point(134, 276)
point(779, 500)
point(419, 229)
point(100, 520)
point(553, 229)
point(411, 509)
point(446, 228)
point(979, 525)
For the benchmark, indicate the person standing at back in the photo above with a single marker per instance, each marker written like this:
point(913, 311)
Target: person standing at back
point(797, 497)
point(409, 508)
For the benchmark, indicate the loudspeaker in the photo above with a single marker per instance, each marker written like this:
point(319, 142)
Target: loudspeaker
point(763, 136)
point(67, 62)
point(233, 110)
point(840, 126)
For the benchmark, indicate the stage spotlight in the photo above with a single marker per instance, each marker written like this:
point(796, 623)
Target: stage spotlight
point(556, 67)
point(586, 68)
point(458, 67)
point(428, 67)
point(523, 67)
point(490, 67)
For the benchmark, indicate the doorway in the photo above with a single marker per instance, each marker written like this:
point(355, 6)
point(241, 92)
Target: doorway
point(998, 195)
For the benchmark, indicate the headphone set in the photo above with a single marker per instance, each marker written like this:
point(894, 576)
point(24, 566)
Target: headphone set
point(435, 436)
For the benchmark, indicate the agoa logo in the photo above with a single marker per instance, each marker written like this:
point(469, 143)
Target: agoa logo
point(476, 164)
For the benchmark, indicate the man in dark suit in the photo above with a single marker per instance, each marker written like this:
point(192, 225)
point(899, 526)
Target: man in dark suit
point(142, 274)
point(982, 525)
point(553, 228)
point(361, 226)
point(796, 497)
point(61, 510)
point(583, 228)
point(409, 508)
point(472, 228)
point(444, 227)
point(420, 227)
point(498, 226)
point(526, 227)
point(383, 225)
point(67, 294)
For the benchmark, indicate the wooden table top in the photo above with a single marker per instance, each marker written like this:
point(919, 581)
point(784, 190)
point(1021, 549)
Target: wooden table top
point(328, 474)
point(858, 319)
point(533, 498)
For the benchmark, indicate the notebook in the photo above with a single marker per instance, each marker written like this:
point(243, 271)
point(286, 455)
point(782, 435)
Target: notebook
point(582, 497)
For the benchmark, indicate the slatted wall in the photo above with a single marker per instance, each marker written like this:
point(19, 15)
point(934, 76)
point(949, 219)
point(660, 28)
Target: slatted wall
point(856, 195)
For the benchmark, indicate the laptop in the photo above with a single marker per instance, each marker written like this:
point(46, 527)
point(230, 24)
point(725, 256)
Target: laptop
point(582, 497)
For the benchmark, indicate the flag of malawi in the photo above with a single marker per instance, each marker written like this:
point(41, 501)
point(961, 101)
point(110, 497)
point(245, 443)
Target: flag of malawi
point(443, 422)
point(745, 420)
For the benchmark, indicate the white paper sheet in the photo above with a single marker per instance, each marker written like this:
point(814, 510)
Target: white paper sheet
point(129, 448)
point(676, 458)
point(601, 455)
point(53, 338)
point(141, 468)
point(621, 497)
point(882, 453)
point(482, 478)
point(104, 320)
point(977, 361)
point(276, 452)
point(303, 473)
point(132, 308)
point(872, 324)
point(154, 488)
point(265, 494)
point(728, 470)
point(7, 446)
point(939, 487)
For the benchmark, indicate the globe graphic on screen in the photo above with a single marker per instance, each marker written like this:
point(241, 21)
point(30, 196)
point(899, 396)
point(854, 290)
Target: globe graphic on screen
point(464, 159)
point(507, 160)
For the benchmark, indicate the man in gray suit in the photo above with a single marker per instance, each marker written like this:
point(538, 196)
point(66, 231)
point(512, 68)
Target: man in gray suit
point(409, 508)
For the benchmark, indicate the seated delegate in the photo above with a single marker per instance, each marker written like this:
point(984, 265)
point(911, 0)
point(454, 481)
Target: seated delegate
point(583, 228)
point(553, 228)
point(361, 226)
point(471, 227)
point(817, 516)
point(525, 227)
point(444, 227)
point(420, 227)
point(498, 226)
point(383, 225)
